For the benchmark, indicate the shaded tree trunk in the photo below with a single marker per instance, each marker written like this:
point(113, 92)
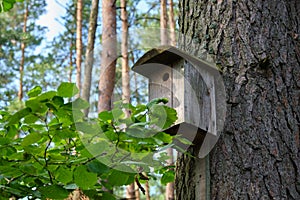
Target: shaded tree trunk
point(164, 37)
point(163, 22)
point(109, 55)
point(124, 49)
point(89, 55)
point(130, 189)
point(172, 23)
point(147, 190)
point(23, 47)
point(78, 43)
point(137, 191)
point(70, 62)
point(256, 45)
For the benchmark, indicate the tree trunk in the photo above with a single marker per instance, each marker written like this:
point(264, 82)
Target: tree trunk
point(89, 55)
point(124, 49)
point(163, 22)
point(109, 55)
point(78, 43)
point(71, 62)
point(22, 61)
point(165, 41)
point(172, 23)
point(147, 190)
point(130, 190)
point(257, 47)
point(137, 192)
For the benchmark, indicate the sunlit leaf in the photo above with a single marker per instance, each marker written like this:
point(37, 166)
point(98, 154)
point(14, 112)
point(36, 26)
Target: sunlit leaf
point(15, 118)
point(67, 90)
point(54, 192)
point(64, 175)
point(31, 138)
point(83, 178)
point(35, 91)
point(168, 177)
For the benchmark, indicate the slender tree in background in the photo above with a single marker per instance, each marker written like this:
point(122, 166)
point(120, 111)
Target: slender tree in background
point(89, 55)
point(163, 22)
point(256, 45)
point(172, 25)
point(130, 189)
point(147, 190)
point(109, 55)
point(23, 47)
point(164, 41)
point(79, 8)
point(124, 49)
point(71, 63)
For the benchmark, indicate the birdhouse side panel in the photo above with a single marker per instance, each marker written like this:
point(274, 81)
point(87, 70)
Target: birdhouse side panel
point(197, 98)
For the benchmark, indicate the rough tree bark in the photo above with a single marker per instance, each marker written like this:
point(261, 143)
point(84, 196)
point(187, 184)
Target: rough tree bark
point(109, 55)
point(79, 8)
point(23, 47)
point(257, 47)
point(89, 55)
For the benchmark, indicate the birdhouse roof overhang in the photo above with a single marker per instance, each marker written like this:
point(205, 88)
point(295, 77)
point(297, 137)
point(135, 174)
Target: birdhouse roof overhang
point(166, 55)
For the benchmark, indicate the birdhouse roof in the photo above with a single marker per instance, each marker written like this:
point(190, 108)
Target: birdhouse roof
point(167, 55)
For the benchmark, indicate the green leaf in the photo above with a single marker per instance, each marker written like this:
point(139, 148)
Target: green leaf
point(80, 104)
point(47, 96)
point(67, 90)
point(12, 131)
point(36, 106)
point(107, 196)
point(157, 101)
point(167, 177)
point(4, 141)
point(30, 119)
point(15, 118)
point(163, 116)
point(54, 192)
point(89, 128)
point(164, 137)
point(35, 91)
point(118, 178)
point(64, 175)
point(83, 178)
point(97, 167)
point(183, 140)
point(31, 139)
point(58, 101)
point(105, 116)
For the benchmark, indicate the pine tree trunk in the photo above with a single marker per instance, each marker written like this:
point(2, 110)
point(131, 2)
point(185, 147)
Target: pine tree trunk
point(124, 49)
point(70, 62)
point(23, 47)
point(165, 41)
point(130, 190)
point(137, 191)
point(78, 43)
point(163, 22)
point(147, 190)
point(89, 56)
point(256, 45)
point(172, 23)
point(109, 55)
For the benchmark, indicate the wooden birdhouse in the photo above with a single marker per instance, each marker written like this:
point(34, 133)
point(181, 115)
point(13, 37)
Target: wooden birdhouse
point(194, 88)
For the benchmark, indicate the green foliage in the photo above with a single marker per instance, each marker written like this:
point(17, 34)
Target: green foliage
point(48, 149)
point(6, 5)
